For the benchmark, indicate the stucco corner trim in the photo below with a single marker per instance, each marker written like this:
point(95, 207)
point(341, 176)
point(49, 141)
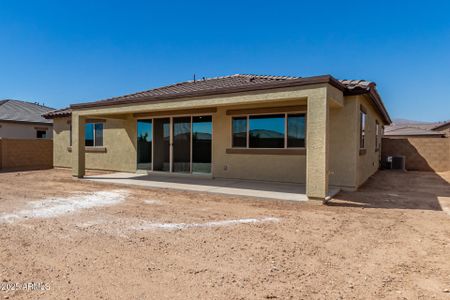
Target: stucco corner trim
point(91, 149)
point(281, 151)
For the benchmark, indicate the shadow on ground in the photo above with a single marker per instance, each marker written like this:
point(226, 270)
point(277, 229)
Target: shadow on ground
point(399, 190)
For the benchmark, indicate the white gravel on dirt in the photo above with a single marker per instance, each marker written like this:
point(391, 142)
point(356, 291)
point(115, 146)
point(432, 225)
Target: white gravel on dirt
point(55, 207)
point(152, 202)
point(179, 226)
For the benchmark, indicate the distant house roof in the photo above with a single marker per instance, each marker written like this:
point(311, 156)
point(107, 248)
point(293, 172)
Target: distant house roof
point(233, 84)
point(440, 125)
point(22, 111)
point(402, 127)
point(411, 131)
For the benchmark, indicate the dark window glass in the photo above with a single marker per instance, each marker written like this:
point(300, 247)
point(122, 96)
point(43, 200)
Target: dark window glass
point(89, 135)
point(239, 132)
point(98, 134)
point(181, 144)
point(144, 144)
point(266, 131)
point(161, 147)
point(377, 134)
point(70, 134)
point(362, 129)
point(201, 144)
point(296, 130)
point(41, 134)
point(93, 134)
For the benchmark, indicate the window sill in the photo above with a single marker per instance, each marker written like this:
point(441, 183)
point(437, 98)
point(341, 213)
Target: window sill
point(274, 151)
point(362, 151)
point(90, 149)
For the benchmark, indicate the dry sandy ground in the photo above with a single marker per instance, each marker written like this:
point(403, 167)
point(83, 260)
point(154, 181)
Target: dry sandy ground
point(86, 240)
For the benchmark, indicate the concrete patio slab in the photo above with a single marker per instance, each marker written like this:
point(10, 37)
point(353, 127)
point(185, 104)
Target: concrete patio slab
point(249, 188)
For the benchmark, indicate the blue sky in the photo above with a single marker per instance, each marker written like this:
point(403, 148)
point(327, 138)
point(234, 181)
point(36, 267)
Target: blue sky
point(62, 52)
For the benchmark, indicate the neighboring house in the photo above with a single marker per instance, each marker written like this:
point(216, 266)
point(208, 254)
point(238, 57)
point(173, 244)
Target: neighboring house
point(410, 129)
point(443, 127)
point(23, 120)
point(317, 131)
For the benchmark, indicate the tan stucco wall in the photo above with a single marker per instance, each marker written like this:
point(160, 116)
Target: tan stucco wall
point(61, 131)
point(368, 163)
point(287, 168)
point(22, 130)
point(344, 139)
point(119, 138)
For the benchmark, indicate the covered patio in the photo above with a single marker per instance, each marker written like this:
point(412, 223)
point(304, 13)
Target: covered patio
point(234, 187)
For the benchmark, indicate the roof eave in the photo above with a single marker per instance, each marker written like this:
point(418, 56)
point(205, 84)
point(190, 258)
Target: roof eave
point(323, 79)
point(267, 86)
point(375, 97)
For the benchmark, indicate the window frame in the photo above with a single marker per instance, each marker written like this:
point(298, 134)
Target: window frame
point(377, 136)
point(285, 114)
point(247, 135)
point(44, 136)
point(362, 129)
point(94, 137)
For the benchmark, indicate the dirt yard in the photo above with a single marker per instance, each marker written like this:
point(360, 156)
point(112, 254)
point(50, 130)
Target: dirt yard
point(86, 240)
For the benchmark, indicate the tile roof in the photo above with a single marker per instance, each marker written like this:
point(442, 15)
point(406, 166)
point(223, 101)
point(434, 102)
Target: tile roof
point(218, 84)
point(230, 84)
point(22, 111)
point(58, 113)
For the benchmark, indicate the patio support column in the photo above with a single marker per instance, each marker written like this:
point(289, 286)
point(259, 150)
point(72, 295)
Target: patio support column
point(78, 152)
point(317, 144)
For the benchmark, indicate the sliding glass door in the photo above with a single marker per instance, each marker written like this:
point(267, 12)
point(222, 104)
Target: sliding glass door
point(144, 144)
point(177, 144)
point(161, 146)
point(201, 144)
point(182, 144)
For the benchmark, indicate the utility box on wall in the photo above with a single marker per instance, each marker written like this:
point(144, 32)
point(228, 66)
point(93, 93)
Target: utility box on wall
point(420, 154)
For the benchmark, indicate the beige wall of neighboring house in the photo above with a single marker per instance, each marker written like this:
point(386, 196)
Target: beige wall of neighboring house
point(23, 130)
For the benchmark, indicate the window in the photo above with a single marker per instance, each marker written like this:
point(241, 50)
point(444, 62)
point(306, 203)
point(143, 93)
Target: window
point(269, 131)
point(239, 132)
point(93, 135)
point(41, 134)
point(144, 144)
point(362, 132)
point(296, 130)
point(377, 136)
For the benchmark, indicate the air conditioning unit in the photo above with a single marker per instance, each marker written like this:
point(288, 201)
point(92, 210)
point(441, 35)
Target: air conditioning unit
point(397, 162)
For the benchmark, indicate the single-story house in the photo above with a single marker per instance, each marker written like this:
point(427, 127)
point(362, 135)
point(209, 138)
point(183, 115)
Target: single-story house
point(406, 129)
point(317, 131)
point(23, 120)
